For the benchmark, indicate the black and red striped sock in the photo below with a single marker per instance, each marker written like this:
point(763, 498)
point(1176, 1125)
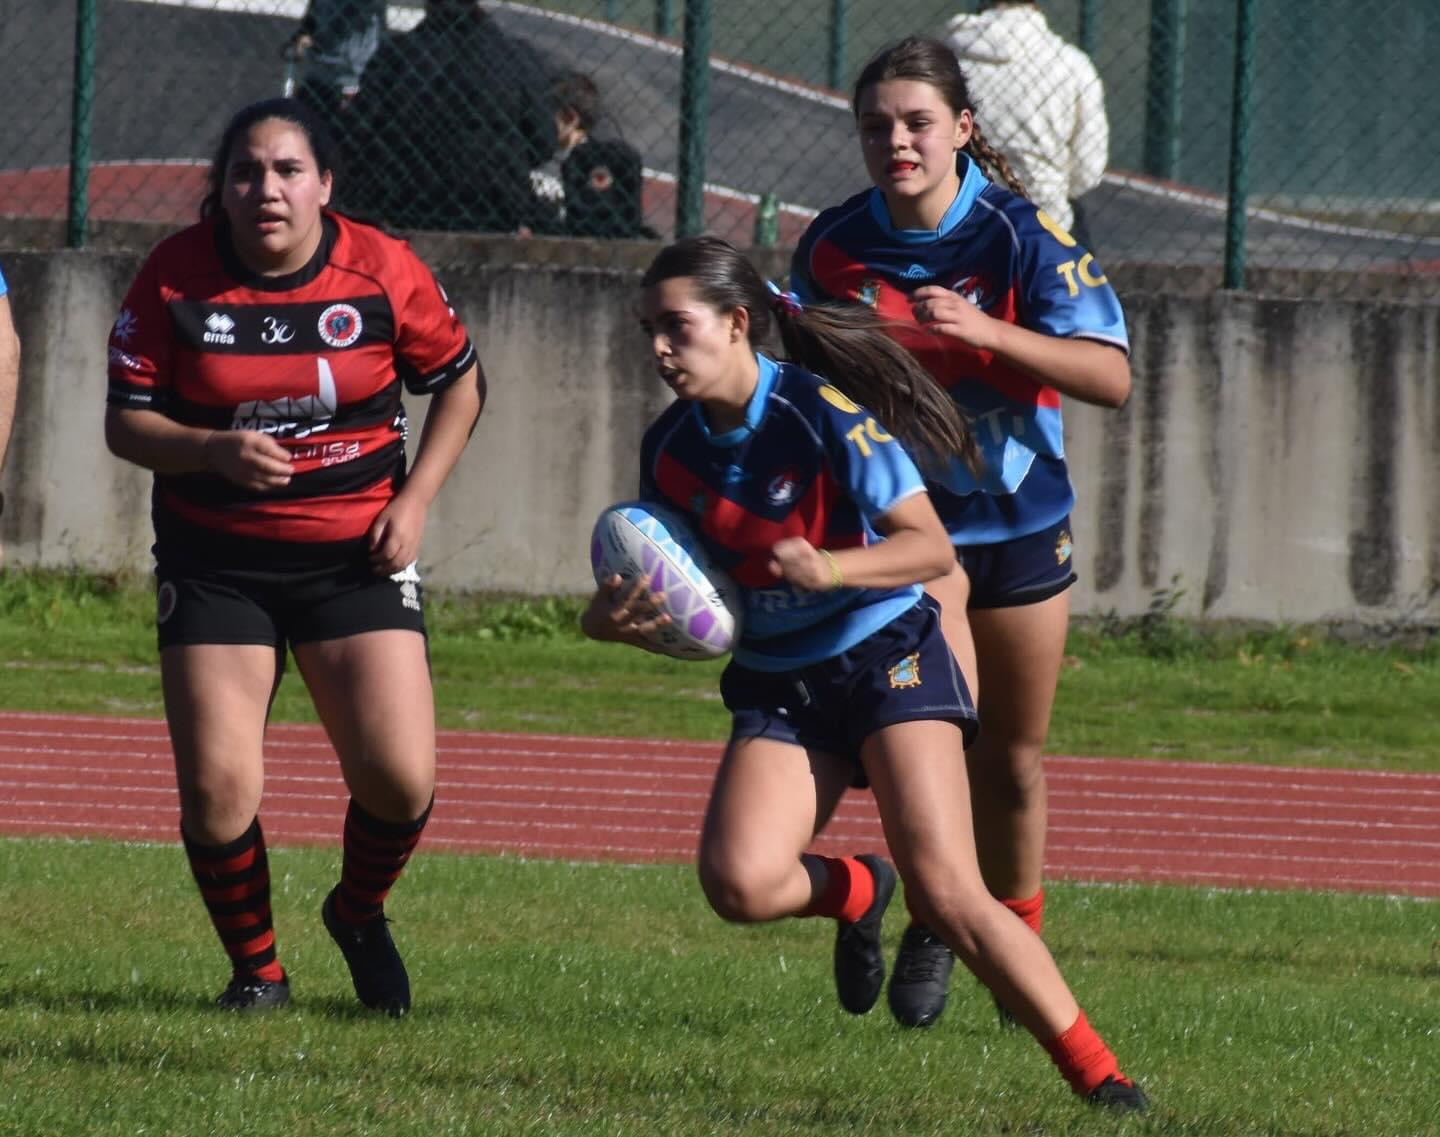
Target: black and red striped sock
point(234, 882)
point(375, 855)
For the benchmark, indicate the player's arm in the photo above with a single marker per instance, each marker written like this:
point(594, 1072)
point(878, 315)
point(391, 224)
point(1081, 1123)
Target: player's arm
point(1083, 369)
point(148, 438)
point(916, 549)
point(9, 375)
point(396, 532)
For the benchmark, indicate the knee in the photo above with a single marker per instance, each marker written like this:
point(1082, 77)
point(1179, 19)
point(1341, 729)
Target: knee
point(737, 892)
point(956, 910)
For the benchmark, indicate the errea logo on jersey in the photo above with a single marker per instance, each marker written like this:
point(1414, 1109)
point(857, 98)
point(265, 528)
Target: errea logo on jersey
point(219, 328)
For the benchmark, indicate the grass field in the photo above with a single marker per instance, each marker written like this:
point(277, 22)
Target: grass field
point(556, 998)
point(601, 999)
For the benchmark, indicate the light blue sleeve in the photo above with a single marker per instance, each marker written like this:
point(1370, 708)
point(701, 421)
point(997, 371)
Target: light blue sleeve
point(1065, 291)
point(871, 466)
point(4, 288)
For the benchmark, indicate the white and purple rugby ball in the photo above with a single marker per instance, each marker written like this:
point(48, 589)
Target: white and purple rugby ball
point(644, 538)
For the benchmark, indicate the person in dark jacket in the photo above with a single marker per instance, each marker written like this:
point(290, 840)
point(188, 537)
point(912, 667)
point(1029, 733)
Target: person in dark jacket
point(592, 186)
point(449, 121)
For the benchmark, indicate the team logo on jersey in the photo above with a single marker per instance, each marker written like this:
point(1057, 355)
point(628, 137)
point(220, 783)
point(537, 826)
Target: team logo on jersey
point(783, 487)
point(906, 673)
point(976, 289)
point(1063, 548)
point(165, 601)
point(869, 292)
point(219, 328)
point(340, 325)
point(125, 325)
point(917, 272)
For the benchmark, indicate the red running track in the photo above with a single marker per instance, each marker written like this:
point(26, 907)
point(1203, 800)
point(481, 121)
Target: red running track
point(549, 796)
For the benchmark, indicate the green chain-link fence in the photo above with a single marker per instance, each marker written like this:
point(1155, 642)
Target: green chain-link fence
point(1243, 134)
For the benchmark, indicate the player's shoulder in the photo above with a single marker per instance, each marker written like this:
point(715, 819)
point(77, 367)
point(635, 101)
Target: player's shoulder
point(839, 220)
point(360, 244)
point(185, 255)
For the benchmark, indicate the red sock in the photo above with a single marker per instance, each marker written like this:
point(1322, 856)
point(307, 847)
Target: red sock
point(375, 855)
point(234, 882)
point(849, 889)
point(1083, 1058)
point(1032, 911)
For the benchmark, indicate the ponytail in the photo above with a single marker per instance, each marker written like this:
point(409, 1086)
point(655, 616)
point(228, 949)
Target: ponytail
point(850, 347)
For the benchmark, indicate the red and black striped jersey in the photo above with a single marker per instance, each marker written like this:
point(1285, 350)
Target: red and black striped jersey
point(316, 359)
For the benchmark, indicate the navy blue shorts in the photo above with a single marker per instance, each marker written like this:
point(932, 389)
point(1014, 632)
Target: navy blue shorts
point(1027, 570)
point(902, 673)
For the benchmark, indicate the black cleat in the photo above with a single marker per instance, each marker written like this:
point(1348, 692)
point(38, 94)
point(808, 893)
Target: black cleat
point(1120, 1094)
point(249, 993)
point(921, 980)
point(859, 958)
point(376, 968)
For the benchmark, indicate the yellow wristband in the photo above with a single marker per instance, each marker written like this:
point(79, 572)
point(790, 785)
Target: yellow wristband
point(837, 578)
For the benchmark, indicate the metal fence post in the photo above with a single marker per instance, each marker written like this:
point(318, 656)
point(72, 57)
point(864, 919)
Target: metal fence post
point(612, 11)
point(1089, 31)
point(81, 106)
point(664, 18)
point(694, 109)
point(1240, 144)
point(838, 36)
point(1163, 86)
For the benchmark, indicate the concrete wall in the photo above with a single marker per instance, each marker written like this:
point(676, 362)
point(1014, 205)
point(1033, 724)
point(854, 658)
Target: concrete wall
point(1279, 460)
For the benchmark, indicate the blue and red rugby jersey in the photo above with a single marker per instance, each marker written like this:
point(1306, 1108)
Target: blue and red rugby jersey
point(807, 462)
point(1012, 261)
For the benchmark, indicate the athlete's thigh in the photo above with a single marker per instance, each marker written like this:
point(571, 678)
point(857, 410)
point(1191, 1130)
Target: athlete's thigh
point(373, 694)
point(217, 697)
point(769, 800)
point(953, 593)
point(917, 773)
point(1020, 652)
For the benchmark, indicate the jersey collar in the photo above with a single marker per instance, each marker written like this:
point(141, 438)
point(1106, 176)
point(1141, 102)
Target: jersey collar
point(972, 185)
point(256, 282)
point(754, 409)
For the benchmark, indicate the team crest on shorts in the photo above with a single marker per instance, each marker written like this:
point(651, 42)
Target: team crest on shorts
point(906, 673)
point(340, 325)
point(1063, 548)
point(165, 601)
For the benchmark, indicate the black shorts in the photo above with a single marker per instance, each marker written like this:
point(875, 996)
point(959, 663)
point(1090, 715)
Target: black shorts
point(205, 603)
point(902, 673)
point(1027, 570)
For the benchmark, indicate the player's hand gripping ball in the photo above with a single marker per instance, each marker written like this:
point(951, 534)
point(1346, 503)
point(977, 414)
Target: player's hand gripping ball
point(643, 538)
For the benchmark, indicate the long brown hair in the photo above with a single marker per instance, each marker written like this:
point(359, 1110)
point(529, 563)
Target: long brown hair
point(930, 61)
point(847, 345)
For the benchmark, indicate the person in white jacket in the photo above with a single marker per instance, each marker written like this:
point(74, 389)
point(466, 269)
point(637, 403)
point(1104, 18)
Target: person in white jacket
point(1040, 99)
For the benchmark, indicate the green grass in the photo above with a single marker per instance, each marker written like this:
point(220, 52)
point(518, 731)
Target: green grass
point(603, 999)
point(1154, 687)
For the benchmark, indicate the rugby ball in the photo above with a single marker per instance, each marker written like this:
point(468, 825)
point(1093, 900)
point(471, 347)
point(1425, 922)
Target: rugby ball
point(644, 538)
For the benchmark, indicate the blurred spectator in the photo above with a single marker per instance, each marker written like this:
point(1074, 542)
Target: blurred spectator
point(334, 42)
point(1039, 100)
point(448, 123)
point(592, 186)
